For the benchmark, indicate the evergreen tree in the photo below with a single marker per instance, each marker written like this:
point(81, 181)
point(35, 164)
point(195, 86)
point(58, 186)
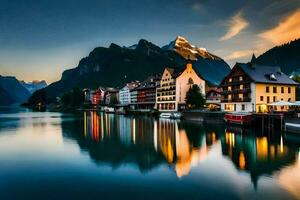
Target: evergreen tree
point(194, 98)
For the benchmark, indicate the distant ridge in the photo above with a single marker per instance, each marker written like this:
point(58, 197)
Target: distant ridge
point(11, 91)
point(286, 56)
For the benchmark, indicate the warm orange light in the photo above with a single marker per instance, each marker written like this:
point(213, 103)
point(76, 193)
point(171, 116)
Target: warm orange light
point(262, 147)
point(242, 160)
point(230, 139)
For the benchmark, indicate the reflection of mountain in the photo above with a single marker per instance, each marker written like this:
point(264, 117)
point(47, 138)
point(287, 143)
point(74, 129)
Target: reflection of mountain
point(257, 155)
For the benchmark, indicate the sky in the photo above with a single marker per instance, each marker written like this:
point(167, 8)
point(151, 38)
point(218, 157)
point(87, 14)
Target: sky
point(41, 38)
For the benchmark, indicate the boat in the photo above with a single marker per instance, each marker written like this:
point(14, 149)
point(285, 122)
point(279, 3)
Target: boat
point(165, 115)
point(238, 118)
point(176, 115)
point(292, 127)
point(109, 110)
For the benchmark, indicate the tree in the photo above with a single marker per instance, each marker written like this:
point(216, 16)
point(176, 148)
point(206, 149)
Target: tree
point(113, 100)
point(194, 98)
point(73, 98)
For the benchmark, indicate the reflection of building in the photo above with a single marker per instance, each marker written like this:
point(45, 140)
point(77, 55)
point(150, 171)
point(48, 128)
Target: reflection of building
point(171, 92)
point(250, 87)
point(258, 155)
point(178, 149)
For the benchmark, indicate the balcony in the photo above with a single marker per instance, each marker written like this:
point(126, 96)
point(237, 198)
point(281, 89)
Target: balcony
point(245, 99)
point(237, 82)
point(245, 90)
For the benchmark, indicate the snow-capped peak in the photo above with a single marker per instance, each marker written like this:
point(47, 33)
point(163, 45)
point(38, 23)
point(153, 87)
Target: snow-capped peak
point(182, 46)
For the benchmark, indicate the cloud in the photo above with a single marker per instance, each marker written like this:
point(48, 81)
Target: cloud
point(239, 55)
point(236, 24)
point(288, 29)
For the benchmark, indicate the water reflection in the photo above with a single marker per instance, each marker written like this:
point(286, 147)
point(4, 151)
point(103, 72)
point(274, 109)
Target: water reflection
point(148, 143)
point(258, 154)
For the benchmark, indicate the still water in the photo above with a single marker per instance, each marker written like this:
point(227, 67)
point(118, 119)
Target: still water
point(96, 156)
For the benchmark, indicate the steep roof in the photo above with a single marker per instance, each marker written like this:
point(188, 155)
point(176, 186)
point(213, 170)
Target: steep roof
point(176, 73)
point(265, 74)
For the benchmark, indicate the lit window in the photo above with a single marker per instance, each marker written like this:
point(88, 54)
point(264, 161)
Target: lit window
point(230, 79)
point(241, 78)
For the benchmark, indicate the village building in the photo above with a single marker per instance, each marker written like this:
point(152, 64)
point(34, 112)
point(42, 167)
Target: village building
point(171, 92)
point(111, 95)
point(251, 87)
point(124, 93)
point(144, 96)
point(213, 98)
point(98, 96)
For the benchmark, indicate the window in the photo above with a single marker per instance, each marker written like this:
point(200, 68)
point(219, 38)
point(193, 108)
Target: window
point(243, 106)
point(230, 79)
point(289, 90)
point(229, 97)
point(241, 87)
point(241, 97)
point(274, 89)
point(241, 78)
point(268, 99)
point(274, 99)
point(261, 98)
point(190, 82)
point(267, 89)
point(282, 89)
point(229, 88)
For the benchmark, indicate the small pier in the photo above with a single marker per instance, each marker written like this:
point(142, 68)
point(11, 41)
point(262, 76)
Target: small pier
point(269, 121)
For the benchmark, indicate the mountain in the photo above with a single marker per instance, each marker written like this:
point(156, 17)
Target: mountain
point(286, 56)
point(210, 66)
point(34, 85)
point(188, 51)
point(115, 65)
point(12, 91)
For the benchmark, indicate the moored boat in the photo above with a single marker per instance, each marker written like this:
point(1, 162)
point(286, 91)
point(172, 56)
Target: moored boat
point(238, 118)
point(165, 115)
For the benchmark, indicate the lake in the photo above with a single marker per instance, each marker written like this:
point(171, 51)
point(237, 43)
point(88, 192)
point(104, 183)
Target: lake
point(98, 156)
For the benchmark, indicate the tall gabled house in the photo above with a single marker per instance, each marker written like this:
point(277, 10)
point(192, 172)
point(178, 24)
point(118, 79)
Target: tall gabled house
point(250, 87)
point(171, 92)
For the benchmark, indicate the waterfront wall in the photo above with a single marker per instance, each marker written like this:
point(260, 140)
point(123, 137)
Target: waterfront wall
point(212, 117)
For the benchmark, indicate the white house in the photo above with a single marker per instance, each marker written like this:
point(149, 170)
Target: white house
point(171, 93)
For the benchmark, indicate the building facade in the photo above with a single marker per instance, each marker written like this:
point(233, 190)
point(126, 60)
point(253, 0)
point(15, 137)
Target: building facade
point(171, 92)
point(146, 93)
point(112, 96)
point(124, 93)
point(251, 87)
point(213, 98)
